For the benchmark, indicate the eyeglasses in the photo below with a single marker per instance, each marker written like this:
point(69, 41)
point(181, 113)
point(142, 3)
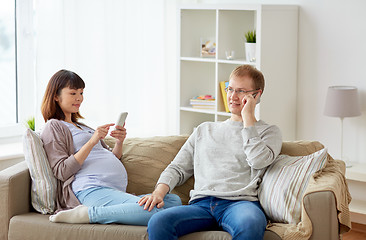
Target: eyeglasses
point(240, 92)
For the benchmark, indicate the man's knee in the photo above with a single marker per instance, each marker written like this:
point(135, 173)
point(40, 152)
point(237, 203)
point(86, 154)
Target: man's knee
point(154, 221)
point(160, 226)
point(250, 228)
point(248, 223)
point(161, 218)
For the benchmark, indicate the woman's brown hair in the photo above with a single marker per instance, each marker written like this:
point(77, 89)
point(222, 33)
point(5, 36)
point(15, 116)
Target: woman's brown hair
point(61, 79)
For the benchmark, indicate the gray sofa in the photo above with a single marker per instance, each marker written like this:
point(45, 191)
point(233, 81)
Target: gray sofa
point(144, 159)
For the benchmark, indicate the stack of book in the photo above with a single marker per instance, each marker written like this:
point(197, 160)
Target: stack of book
point(203, 102)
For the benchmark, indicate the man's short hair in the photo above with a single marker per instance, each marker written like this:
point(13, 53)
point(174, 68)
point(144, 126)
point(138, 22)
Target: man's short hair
point(252, 72)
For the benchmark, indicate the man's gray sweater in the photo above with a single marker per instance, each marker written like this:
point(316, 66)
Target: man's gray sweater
point(227, 160)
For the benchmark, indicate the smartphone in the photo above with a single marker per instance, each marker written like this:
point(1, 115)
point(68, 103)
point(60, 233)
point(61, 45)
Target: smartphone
point(259, 99)
point(121, 119)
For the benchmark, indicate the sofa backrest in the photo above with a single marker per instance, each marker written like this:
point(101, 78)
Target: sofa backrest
point(300, 148)
point(146, 158)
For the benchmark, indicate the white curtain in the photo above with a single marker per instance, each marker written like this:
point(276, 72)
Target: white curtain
point(117, 47)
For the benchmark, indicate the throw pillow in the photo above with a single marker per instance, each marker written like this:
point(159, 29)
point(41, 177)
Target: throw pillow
point(284, 184)
point(44, 184)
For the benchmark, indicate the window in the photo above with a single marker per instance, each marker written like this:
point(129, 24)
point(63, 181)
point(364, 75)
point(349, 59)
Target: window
point(16, 68)
point(8, 79)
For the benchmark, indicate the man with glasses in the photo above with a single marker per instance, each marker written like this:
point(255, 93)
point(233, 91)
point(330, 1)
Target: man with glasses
point(228, 160)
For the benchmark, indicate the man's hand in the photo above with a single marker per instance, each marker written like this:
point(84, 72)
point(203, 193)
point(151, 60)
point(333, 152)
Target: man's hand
point(248, 111)
point(155, 199)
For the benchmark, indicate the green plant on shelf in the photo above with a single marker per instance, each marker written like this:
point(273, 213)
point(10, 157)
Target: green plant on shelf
point(251, 36)
point(30, 123)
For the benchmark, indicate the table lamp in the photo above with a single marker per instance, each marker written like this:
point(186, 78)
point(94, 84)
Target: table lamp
point(342, 101)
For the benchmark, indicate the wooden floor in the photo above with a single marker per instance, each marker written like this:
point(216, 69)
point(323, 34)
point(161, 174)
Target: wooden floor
point(358, 232)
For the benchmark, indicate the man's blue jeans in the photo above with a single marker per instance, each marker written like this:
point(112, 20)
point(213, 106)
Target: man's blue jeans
point(242, 219)
point(107, 205)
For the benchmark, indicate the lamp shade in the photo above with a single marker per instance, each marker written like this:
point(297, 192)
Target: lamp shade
point(342, 101)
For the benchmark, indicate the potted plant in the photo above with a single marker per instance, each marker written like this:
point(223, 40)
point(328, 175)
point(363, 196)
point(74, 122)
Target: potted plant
point(30, 123)
point(250, 45)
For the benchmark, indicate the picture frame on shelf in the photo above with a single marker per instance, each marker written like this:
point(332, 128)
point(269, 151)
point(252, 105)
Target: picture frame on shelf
point(207, 47)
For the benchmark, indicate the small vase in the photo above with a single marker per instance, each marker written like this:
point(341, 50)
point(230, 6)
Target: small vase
point(250, 52)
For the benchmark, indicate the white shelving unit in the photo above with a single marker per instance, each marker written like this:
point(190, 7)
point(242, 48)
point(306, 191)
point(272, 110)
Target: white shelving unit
point(277, 30)
point(356, 178)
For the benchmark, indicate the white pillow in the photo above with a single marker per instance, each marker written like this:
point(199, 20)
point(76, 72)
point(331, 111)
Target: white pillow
point(284, 184)
point(44, 184)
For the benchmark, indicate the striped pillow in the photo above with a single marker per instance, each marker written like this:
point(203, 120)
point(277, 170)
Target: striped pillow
point(284, 184)
point(43, 191)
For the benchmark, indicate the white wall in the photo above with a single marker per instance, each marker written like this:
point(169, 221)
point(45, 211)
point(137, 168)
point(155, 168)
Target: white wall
point(118, 48)
point(332, 51)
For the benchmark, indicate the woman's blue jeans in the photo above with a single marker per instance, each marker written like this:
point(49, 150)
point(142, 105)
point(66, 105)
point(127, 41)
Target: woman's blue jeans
point(241, 219)
point(107, 205)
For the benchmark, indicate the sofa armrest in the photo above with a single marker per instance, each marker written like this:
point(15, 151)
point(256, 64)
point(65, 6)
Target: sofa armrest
point(325, 199)
point(322, 211)
point(14, 195)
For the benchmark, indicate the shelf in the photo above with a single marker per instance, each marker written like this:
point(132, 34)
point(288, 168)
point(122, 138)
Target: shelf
point(357, 172)
point(226, 25)
point(191, 109)
point(234, 61)
point(358, 206)
point(356, 178)
point(208, 111)
point(198, 59)
point(224, 114)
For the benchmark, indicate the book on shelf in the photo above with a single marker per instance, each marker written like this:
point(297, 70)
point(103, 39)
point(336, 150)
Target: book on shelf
point(203, 107)
point(203, 102)
point(206, 97)
point(223, 86)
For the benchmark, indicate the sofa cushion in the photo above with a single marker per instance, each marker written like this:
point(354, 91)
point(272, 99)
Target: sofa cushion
point(44, 184)
point(34, 226)
point(284, 183)
point(37, 227)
